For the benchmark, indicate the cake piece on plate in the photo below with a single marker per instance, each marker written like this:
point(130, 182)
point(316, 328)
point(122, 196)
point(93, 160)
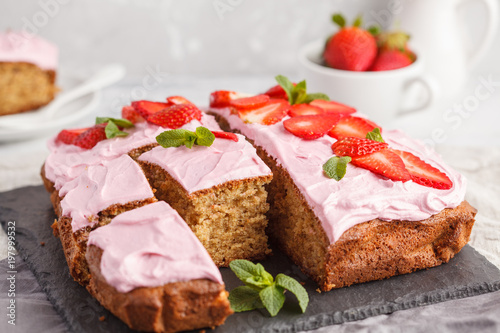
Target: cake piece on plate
point(349, 202)
point(28, 66)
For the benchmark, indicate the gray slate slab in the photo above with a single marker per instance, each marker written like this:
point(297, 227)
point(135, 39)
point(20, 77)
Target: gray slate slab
point(466, 275)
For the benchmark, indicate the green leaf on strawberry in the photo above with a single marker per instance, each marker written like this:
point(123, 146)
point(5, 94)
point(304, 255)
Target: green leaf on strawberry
point(180, 137)
point(298, 94)
point(336, 167)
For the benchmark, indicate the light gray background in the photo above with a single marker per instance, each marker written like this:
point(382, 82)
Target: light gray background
point(207, 37)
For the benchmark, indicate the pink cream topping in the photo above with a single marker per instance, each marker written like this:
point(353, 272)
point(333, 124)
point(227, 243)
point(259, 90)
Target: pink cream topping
point(99, 186)
point(66, 162)
point(202, 167)
point(23, 47)
point(361, 195)
point(149, 247)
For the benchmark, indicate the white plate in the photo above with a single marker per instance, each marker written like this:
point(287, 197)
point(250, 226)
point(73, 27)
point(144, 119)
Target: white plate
point(70, 113)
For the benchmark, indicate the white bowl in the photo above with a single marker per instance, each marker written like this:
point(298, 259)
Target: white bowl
point(380, 95)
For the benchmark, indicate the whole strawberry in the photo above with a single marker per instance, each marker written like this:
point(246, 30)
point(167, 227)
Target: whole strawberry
point(351, 48)
point(393, 52)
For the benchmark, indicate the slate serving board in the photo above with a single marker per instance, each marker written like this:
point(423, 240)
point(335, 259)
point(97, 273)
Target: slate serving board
point(468, 274)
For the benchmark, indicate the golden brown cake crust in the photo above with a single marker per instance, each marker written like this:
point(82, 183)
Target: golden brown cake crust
point(25, 87)
point(173, 307)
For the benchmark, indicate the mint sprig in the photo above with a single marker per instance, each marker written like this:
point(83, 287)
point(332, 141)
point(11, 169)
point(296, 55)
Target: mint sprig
point(118, 121)
point(375, 135)
point(112, 130)
point(261, 290)
point(178, 137)
point(298, 94)
point(336, 167)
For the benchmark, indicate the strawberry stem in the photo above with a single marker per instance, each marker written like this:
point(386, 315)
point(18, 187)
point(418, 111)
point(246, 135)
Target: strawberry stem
point(339, 20)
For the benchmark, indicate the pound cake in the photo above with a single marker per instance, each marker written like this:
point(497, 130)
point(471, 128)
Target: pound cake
point(392, 207)
point(129, 247)
point(28, 66)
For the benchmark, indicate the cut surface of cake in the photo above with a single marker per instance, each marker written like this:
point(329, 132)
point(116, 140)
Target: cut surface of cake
point(364, 226)
point(218, 191)
point(28, 66)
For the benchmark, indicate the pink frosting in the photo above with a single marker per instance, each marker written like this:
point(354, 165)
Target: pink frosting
point(149, 247)
point(66, 162)
point(201, 167)
point(117, 181)
point(22, 47)
point(361, 195)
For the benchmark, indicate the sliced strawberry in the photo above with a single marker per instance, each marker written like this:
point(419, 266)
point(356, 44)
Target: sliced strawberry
point(351, 127)
point(277, 92)
point(423, 173)
point(175, 116)
point(311, 127)
point(268, 114)
point(129, 113)
point(253, 102)
point(225, 135)
point(91, 137)
point(332, 107)
point(147, 108)
point(304, 110)
point(221, 98)
point(385, 163)
point(176, 100)
point(354, 147)
point(69, 136)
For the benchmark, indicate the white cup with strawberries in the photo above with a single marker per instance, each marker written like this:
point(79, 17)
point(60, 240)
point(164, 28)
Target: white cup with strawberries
point(375, 72)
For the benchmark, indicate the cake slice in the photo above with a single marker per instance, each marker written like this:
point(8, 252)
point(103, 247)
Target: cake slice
point(28, 66)
point(364, 226)
point(219, 191)
point(150, 270)
point(91, 200)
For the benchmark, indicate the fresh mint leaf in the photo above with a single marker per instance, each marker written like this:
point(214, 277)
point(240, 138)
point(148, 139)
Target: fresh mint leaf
point(273, 298)
point(244, 269)
point(270, 293)
point(175, 138)
point(204, 136)
point(288, 283)
point(299, 93)
point(375, 135)
point(244, 299)
point(257, 281)
point(118, 121)
point(287, 86)
point(314, 96)
point(113, 131)
point(178, 137)
point(336, 167)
